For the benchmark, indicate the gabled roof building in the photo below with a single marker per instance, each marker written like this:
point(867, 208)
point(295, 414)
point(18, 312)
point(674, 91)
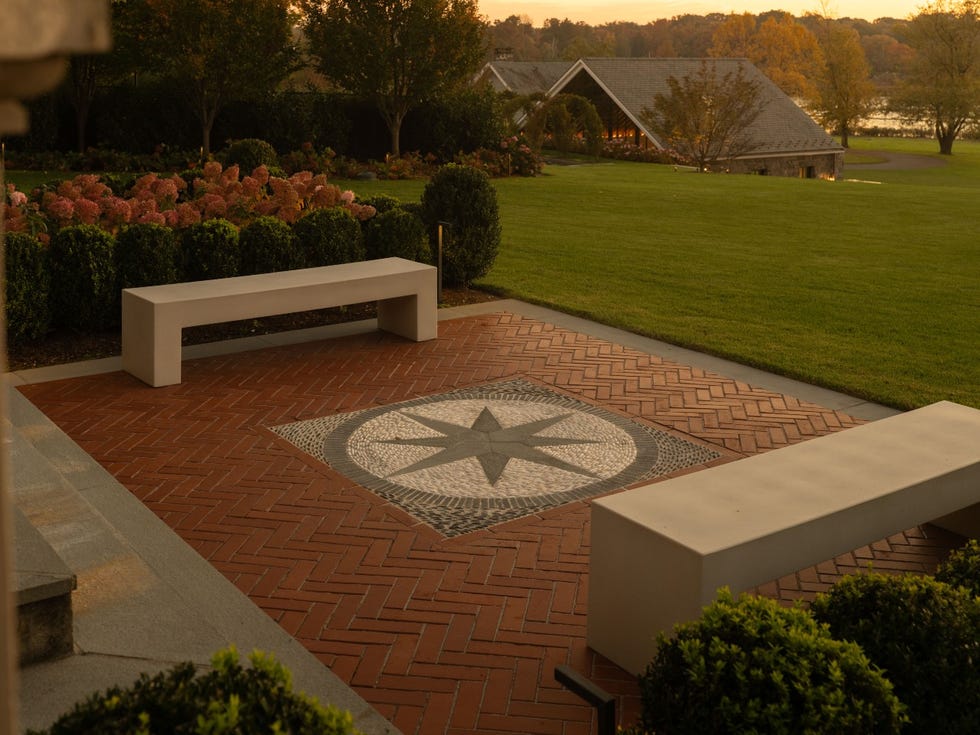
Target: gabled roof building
point(787, 142)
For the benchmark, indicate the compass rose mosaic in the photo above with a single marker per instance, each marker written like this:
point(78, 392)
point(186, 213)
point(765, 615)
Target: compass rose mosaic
point(473, 458)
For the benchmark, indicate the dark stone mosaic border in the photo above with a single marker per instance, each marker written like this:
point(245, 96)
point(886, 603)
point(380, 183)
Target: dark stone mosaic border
point(325, 439)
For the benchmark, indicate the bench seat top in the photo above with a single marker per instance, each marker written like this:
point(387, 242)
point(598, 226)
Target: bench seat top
point(738, 502)
point(265, 283)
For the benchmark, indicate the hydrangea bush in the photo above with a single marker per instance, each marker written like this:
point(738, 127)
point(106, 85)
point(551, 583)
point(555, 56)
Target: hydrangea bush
point(170, 201)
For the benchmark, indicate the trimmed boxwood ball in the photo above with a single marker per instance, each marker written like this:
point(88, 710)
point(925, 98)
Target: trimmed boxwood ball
point(28, 287)
point(962, 568)
point(228, 699)
point(265, 245)
point(924, 633)
point(250, 153)
point(146, 255)
point(381, 202)
point(209, 249)
point(750, 665)
point(329, 236)
point(465, 198)
point(397, 233)
point(84, 294)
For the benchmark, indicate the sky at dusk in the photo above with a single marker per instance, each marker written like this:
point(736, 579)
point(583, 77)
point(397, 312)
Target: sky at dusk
point(595, 13)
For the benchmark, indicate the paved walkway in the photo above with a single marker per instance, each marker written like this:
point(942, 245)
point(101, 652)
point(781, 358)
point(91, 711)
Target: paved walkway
point(456, 630)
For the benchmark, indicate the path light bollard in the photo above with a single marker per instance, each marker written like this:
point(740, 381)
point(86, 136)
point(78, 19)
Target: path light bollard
point(604, 703)
point(439, 259)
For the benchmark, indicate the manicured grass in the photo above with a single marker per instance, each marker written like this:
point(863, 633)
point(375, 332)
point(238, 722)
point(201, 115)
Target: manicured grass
point(873, 289)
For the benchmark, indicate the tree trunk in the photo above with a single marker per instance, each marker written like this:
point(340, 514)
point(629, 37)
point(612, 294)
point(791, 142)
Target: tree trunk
point(945, 134)
point(946, 143)
point(394, 113)
point(395, 129)
point(844, 132)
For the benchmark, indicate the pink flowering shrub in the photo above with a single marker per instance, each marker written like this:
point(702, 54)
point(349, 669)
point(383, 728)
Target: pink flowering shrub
point(221, 193)
point(19, 214)
point(512, 157)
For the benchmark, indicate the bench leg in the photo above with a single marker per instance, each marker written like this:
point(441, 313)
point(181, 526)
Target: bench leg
point(412, 317)
point(151, 349)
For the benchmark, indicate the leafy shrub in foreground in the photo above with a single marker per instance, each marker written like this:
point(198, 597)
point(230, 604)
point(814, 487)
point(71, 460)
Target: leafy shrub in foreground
point(250, 153)
point(28, 286)
point(465, 198)
point(84, 295)
point(265, 245)
point(397, 233)
point(209, 249)
point(228, 699)
point(749, 665)
point(924, 634)
point(329, 236)
point(962, 568)
point(146, 255)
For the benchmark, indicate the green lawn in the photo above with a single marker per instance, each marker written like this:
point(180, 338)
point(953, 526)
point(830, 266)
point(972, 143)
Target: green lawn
point(869, 288)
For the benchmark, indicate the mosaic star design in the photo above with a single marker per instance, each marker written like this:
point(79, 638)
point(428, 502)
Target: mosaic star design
point(491, 444)
point(477, 457)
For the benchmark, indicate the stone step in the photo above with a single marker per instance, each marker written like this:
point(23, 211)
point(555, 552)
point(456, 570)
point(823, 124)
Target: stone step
point(43, 584)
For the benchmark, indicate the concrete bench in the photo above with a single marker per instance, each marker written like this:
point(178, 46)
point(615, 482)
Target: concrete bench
point(153, 316)
point(661, 551)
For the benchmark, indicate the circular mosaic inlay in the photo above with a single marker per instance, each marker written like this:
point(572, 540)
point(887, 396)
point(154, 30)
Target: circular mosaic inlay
point(491, 448)
point(476, 457)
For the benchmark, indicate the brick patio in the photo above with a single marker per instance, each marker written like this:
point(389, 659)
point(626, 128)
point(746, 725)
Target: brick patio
point(441, 634)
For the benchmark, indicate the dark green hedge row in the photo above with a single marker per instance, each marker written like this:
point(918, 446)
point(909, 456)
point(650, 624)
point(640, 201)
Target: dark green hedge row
point(75, 282)
point(151, 116)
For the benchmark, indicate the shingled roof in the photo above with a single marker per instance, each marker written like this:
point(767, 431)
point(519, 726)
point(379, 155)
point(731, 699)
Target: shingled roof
point(782, 127)
point(524, 77)
point(633, 83)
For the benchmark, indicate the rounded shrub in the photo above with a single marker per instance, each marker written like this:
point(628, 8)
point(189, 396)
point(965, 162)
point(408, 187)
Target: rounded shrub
point(382, 203)
point(328, 236)
point(749, 665)
point(924, 633)
point(465, 199)
point(209, 249)
point(146, 255)
point(962, 568)
point(267, 244)
point(84, 293)
point(250, 153)
point(397, 233)
point(28, 287)
point(228, 699)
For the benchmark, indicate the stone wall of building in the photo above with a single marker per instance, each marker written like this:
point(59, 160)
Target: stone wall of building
point(813, 166)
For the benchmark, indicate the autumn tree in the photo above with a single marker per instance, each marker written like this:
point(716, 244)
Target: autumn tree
point(942, 85)
point(844, 92)
point(706, 117)
point(220, 50)
point(784, 50)
point(397, 53)
point(517, 34)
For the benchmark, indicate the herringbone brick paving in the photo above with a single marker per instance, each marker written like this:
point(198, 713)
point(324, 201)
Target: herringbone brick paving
point(457, 635)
